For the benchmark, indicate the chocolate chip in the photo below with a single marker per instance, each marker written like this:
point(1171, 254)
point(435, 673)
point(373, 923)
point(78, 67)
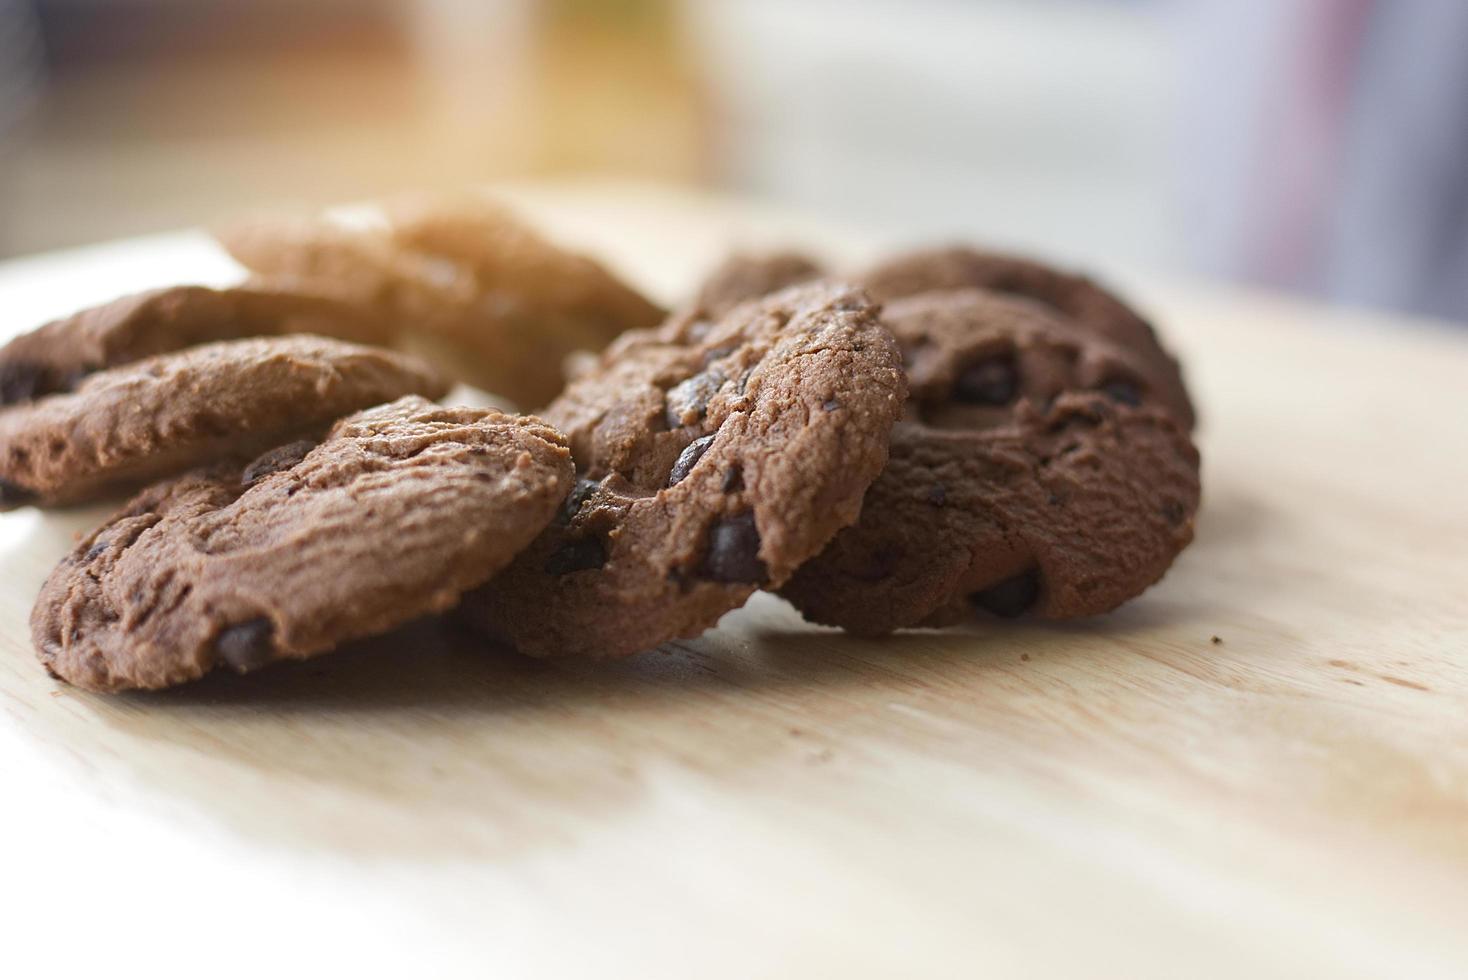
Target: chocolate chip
point(688, 400)
point(276, 460)
point(95, 551)
point(579, 495)
point(1012, 597)
point(248, 645)
point(1122, 391)
point(830, 405)
point(937, 495)
point(688, 459)
point(733, 479)
point(991, 382)
point(20, 381)
point(1174, 512)
point(733, 554)
point(14, 496)
point(577, 555)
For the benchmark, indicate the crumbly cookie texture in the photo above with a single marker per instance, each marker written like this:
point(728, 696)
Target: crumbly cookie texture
point(124, 426)
point(396, 513)
point(469, 285)
point(1073, 297)
point(54, 358)
point(709, 469)
point(1039, 469)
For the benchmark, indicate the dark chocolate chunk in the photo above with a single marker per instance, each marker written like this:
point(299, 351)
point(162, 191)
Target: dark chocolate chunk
point(579, 495)
point(577, 555)
point(937, 495)
point(1012, 597)
point(991, 382)
point(1174, 512)
point(733, 554)
point(733, 479)
point(282, 458)
point(688, 400)
point(1122, 391)
point(248, 645)
point(830, 405)
point(688, 459)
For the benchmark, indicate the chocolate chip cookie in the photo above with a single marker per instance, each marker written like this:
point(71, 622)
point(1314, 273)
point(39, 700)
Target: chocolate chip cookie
point(398, 511)
point(745, 276)
point(54, 358)
point(126, 425)
point(708, 469)
point(475, 289)
point(1074, 297)
point(1039, 469)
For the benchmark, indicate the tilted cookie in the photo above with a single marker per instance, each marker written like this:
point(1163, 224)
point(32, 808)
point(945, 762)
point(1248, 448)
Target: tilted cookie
point(397, 512)
point(1074, 297)
point(1038, 469)
point(127, 425)
point(55, 357)
point(740, 278)
point(709, 470)
point(745, 276)
point(475, 289)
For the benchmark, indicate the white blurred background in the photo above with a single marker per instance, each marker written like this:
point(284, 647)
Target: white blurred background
point(1318, 146)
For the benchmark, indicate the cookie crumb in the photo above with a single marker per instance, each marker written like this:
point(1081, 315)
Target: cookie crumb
point(1025, 657)
point(1216, 640)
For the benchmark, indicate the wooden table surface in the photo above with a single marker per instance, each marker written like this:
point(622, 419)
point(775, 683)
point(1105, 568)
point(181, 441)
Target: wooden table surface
point(1118, 797)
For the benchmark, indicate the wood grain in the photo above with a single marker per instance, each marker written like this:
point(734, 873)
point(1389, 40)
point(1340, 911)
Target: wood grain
point(1119, 797)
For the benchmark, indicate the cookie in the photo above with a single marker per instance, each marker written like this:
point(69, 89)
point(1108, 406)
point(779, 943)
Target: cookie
point(397, 512)
point(126, 425)
point(54, 358)
point(1039, 469)
point(477, 291)
point(707, 470)
point(1074, 297)
point(743, 277)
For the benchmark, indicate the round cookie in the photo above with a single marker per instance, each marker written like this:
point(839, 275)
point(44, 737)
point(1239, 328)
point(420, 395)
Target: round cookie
point(53, 358)
point(709, 470)
point(477, 291)
point(392, 517)
point(130, 424)
point(1072, 296)
point(742, 277)
point(1039, 469)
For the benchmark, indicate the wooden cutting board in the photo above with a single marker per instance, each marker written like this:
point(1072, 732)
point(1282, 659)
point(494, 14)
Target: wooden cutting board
point(1128, 796)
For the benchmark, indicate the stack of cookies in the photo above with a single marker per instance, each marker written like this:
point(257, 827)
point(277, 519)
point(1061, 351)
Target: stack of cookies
point(950, 434)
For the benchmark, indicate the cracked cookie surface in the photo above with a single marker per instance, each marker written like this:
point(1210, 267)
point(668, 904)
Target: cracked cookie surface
point(54, 358)
point(396, 513)
point(1073, 297)
point(126, 425)
point(1038, 469)
point(710, 467)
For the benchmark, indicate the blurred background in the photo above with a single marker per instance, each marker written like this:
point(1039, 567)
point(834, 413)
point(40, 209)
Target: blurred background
point(1317, 146)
